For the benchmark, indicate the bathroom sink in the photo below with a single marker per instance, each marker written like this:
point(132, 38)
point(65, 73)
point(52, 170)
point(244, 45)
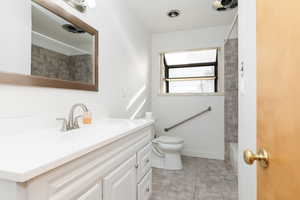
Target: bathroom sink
point(28, 154)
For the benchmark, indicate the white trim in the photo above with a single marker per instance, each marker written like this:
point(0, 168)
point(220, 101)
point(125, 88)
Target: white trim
point(188, 49)
point(208, 155)
point(191, 94)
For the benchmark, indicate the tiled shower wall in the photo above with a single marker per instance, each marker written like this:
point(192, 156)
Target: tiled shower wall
point(231, 95)
point(50, 64)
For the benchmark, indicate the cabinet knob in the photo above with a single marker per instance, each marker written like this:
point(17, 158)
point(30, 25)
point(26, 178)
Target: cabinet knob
point(137, 166)
point(148, 189)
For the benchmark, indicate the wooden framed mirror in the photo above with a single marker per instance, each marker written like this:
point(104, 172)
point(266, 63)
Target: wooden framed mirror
point(64, 51)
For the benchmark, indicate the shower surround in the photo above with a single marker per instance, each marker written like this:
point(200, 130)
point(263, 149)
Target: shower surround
point(50, 64)
point(231, 96)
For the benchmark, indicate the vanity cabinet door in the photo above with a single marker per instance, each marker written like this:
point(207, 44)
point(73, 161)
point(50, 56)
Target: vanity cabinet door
point(94, 193)
point(121, 184)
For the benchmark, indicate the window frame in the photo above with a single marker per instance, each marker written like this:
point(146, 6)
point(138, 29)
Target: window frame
point(165, 72)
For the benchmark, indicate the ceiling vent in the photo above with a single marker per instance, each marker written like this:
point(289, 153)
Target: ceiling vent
point(72, 29)
point(174, 13)
point(222, 5)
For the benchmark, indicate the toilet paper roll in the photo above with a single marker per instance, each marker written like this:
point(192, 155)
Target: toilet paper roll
point(149, 115)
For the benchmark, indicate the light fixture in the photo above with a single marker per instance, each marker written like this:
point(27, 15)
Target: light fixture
point(221, 5)
point(81, 5)
point(174, 13)
point(91, 3)
point(217, 4)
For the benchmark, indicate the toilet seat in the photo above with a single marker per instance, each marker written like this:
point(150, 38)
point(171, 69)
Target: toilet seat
point(169, 140)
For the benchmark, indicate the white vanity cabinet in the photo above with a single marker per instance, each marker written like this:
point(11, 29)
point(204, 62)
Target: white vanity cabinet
point(121, 183)
point(131, 178)
point(119, 170)
point(144, 161)
point(145, 187)
point(94, 193)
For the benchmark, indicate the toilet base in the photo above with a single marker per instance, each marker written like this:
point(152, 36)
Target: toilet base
point(170, 161)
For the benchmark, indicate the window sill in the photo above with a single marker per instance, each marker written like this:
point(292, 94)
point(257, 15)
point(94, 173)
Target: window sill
point(192, 94)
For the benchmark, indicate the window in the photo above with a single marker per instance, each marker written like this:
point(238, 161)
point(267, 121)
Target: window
point(190, 71)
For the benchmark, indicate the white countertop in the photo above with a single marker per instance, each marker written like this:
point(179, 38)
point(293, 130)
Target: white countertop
point(27, 155)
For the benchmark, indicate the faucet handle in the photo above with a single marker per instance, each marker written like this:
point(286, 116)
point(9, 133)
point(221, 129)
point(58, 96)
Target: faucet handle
point(65, 124)
point(76, 124)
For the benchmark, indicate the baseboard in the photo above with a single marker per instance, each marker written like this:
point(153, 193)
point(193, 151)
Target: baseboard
point(209, 155)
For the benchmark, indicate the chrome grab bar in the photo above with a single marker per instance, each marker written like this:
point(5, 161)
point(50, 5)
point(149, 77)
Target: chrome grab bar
point(188, 119)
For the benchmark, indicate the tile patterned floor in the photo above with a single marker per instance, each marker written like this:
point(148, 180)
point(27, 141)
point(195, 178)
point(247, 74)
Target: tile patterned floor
point(201, 179)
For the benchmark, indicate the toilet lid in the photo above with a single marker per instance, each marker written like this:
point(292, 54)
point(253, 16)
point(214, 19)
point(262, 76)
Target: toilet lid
point(170, 140)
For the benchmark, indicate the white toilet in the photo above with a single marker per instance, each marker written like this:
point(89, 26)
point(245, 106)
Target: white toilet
point(166, 152)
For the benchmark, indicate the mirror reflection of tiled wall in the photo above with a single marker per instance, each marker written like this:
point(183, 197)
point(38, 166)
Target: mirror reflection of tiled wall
point(50, 64)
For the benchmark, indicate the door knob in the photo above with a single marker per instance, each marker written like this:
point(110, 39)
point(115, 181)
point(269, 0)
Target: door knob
point(262, 156)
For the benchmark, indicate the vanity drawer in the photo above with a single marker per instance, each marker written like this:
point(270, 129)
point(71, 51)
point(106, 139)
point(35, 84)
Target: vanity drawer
point(144, 161)
point(145, 187)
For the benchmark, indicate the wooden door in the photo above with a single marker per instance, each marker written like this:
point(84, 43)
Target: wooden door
point(121, 184)
point(278, 98)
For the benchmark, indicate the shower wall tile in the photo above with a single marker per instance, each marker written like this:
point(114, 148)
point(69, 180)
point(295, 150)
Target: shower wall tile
point(50, 64)
point(231, 94)
point(81, 68)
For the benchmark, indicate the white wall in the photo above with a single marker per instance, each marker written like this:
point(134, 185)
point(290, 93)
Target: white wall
point(14, 38)
point(247, 97)
point(204, 136)
point(123, 61)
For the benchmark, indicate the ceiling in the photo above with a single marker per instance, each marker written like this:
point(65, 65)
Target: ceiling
point(195, 14)
point(48, 24)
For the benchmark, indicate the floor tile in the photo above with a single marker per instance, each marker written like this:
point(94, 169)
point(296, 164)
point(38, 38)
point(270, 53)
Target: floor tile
point(201, 179)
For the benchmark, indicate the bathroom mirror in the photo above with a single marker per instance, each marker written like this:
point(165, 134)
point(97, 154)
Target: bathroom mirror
point(64, 51)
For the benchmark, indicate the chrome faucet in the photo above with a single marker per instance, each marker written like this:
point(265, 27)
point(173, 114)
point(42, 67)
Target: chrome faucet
point(72, 122)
